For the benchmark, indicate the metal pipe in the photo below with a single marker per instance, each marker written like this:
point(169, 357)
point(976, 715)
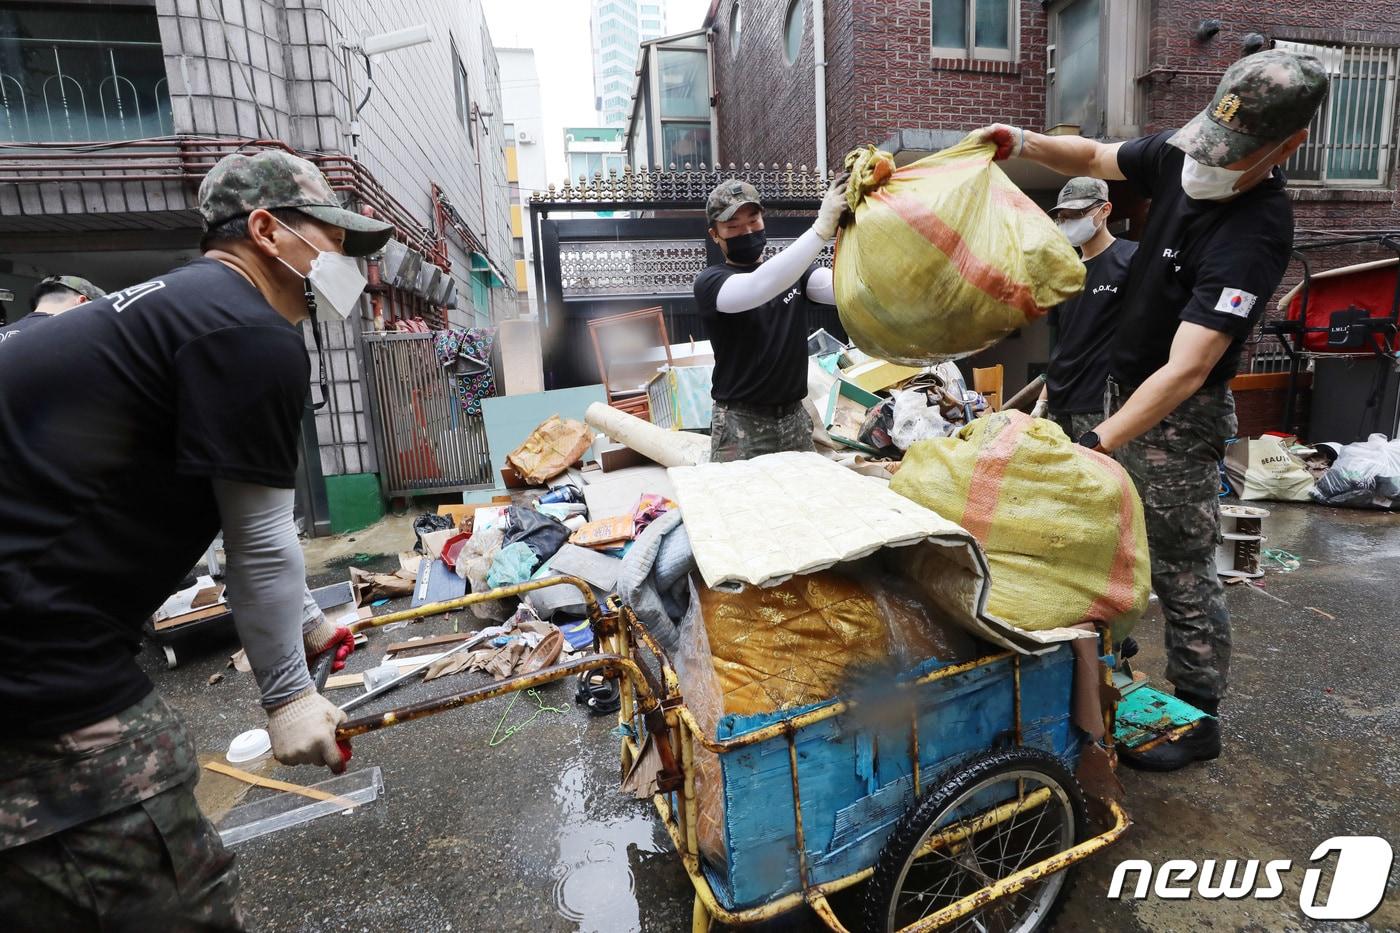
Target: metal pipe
point(610, 663)
point(801, 837)
point(452, 605)
point(819, 78)
point(827, 712)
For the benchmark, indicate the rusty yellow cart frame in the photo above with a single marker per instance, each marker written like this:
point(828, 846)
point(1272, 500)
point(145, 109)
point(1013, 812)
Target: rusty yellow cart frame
point(652, 705)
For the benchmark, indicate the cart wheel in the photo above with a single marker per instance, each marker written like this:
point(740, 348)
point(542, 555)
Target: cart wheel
point(170, 661)
point(950, 844)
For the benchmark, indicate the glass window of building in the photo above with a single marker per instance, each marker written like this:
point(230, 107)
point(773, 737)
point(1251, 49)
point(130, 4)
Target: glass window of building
point(685, 84)
point(685, 142)
point(792, 30)
point(736, 27)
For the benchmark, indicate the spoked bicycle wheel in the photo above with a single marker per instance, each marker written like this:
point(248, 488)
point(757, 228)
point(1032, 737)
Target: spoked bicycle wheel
point(983, 821)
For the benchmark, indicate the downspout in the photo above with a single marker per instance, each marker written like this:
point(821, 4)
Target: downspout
point(819, 73)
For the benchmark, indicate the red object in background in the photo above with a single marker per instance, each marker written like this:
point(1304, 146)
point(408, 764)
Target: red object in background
point(1369, 286)
point(452, 547)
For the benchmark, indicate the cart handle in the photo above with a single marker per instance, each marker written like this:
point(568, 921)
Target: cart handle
point(595, 613)
point(610, 663)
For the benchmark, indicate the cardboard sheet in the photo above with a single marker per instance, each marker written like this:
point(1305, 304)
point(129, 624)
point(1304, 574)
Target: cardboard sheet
point(616, 493)
point(764, 520)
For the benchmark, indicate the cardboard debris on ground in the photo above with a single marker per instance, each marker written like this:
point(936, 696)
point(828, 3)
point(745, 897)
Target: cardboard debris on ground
point(617, 493)
point(368, 586)
point(550, 449)
point(604, 533)
point(203, 600)
point(433, 542)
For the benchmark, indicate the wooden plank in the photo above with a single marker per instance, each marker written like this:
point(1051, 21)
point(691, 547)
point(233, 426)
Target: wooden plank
point(399, 646)
point(199, 615)
point(250, 778)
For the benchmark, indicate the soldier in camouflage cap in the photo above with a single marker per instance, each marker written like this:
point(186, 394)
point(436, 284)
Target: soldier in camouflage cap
point(241, 183)
point(724, 202)
point(1079, 193)
point(1262, 100)
point(52, 296)
point(1217, 241)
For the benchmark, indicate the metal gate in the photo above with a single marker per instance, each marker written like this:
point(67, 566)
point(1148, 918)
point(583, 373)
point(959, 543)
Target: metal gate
point(427, 443)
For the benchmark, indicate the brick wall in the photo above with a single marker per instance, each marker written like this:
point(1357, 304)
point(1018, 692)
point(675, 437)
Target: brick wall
point(901, 86)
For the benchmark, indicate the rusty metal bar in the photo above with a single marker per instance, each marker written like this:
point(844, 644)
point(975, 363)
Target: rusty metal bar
point(914, 751)
point(827, 712)
point(1016, 697)
point(452, 605)
point(610, 663)
point(817, 901)
point(797, 810)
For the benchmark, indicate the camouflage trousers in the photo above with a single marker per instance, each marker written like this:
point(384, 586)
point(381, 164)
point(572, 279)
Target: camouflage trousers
point(1074, 425)
point(1175, 466)
point(739, 432)
point(99, 830)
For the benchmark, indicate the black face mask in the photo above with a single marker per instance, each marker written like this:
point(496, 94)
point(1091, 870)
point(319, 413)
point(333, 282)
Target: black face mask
point(747, 248)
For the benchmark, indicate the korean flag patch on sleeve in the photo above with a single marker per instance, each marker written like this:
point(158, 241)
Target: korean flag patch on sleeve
point(1233, 301)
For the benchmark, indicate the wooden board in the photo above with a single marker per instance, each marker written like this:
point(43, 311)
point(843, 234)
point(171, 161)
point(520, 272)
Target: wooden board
point(198, 615)
point(398, 646)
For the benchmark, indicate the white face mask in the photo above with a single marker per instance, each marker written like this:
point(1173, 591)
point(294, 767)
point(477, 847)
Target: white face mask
point(1080, 230)
point(335, 278)
point(1213, 183)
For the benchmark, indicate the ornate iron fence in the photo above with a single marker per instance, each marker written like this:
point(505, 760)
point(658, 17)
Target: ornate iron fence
point(640, 268)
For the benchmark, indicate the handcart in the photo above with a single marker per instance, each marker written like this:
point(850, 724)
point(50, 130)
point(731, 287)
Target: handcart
point(952, 795)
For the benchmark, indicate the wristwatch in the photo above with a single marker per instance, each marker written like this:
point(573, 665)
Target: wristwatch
point(1090, 439)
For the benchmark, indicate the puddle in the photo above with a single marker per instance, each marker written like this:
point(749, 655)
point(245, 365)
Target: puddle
point(594, 886)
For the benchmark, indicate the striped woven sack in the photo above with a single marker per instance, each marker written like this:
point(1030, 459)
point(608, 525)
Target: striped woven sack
point(1061, 525)
point(945, 256)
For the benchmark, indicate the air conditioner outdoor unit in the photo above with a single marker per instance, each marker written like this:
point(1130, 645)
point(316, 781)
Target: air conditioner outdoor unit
point(447, 293)
point(429, 280)
point(525, 138)
point(401, 265)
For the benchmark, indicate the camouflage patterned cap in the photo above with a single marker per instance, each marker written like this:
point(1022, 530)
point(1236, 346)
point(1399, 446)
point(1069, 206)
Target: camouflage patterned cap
point(1079, 193)
point(243, 182)
point(71, 282)
point(728, 197)
point(1263, 99)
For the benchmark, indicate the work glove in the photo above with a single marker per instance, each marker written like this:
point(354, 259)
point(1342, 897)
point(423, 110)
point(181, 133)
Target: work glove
point(1009, 140)
point(834, 207)
point(1040, 408)
point(324, 637)
point(302, 731)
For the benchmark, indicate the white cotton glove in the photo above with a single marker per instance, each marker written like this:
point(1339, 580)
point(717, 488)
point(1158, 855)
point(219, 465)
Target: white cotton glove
point(303, 732)
point(1040, 408)
point(1009, 140)
point(833, 208)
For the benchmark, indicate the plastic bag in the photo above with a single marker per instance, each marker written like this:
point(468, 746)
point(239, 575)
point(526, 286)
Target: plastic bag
point(473, 564)
point(550, 449)
point(945, 256)
point(1264, 468)
point(916, 420)
point(426, 524)
point(875, 431)
point(1366, 475)
point(1062, 526)
point(543, 534)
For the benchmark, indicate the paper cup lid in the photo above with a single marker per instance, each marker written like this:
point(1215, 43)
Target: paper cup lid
point(249, 745)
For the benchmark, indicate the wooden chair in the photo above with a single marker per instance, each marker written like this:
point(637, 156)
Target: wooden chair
point(988, 381)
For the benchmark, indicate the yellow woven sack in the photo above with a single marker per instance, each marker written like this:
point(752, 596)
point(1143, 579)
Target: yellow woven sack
point(1061, 525)
point(945, 256)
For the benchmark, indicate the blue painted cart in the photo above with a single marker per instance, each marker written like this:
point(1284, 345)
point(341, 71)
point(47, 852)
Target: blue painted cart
point(951, 794)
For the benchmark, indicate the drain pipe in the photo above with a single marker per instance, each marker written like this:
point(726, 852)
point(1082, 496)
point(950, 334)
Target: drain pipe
point(819, 73)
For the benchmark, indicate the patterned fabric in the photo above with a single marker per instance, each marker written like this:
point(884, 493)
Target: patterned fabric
point(1176, 467)
point(73, 283)
point(241, 183)
point(740, 435)
point(153, 865)
point(1081, 192)
point(1263, 98)
point(50, 784)
point(727, 197)
point(472, 348)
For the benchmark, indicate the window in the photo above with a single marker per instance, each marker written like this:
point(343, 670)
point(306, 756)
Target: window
point(1075, 67)
point(685, 142)
point(462, 95)
point(685, 84)
point(69, 77)
point(649, 10)
point(792, 30)
point(985, 29)
point(1349, 140)
point(736, 27)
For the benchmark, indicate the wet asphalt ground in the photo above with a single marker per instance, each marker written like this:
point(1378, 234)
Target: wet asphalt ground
point(532, 834)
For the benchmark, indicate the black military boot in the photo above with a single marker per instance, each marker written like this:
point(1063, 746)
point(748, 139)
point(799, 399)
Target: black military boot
point(1200, 744)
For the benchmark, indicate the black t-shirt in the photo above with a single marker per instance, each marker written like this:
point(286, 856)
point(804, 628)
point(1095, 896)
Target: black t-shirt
point(23, 324)
point(1084, 329)
point(114, 418)
point(1210, 263)
point(760, 354)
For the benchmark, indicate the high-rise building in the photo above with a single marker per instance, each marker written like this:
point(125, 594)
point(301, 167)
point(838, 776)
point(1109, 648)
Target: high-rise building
point(618, 28)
